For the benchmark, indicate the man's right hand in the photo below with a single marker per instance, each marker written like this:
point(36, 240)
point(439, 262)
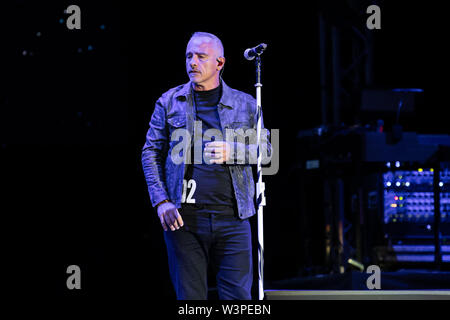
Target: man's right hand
point(169, 216)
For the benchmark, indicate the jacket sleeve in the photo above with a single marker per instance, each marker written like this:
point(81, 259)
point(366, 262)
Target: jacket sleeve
point(154, 153)
point(246, 153)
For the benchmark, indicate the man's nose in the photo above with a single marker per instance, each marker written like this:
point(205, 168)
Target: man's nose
point(193, 62)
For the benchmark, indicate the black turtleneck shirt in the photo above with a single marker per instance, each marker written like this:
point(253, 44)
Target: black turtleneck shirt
point(213, 183)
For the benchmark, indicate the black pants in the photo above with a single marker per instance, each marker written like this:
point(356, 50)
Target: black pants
point(211, 234)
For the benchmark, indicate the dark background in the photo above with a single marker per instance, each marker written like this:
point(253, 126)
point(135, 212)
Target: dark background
point(73, 119)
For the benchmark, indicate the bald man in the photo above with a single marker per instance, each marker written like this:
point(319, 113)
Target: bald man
point(204, 192)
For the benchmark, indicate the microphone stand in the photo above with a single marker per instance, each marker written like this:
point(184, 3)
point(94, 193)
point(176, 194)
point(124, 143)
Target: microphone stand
point(260, 199)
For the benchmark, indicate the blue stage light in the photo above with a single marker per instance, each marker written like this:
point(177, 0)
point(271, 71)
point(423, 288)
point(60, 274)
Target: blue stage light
point(408, 90)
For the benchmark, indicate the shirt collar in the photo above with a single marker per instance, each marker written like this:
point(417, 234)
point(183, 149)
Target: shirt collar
point(226, 99)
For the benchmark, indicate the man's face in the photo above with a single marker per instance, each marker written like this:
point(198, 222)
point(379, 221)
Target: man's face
point(201, 62)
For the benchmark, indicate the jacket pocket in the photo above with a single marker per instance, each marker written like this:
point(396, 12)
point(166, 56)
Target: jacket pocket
point(177, 122)
point(177, 127)
point(179, 140)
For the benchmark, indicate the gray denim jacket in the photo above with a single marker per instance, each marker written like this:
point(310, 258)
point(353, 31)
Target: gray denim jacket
point(174, 110)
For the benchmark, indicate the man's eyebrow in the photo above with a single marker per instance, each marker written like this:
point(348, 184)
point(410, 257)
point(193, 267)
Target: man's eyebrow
point(197, 53)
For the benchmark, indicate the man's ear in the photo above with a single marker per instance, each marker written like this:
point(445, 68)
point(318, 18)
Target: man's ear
point(220, 61)
point(220, 64)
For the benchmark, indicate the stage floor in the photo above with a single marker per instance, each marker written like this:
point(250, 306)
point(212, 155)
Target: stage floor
point(357, 294)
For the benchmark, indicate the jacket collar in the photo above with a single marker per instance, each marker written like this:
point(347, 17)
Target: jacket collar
point(226, 99)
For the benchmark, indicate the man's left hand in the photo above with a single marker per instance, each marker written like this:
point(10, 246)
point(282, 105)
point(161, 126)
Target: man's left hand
point(217, 152)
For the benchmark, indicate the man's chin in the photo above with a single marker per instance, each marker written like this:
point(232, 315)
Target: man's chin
point(195, 78)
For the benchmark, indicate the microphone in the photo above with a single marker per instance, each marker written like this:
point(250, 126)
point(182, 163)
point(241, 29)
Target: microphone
point(251, 53)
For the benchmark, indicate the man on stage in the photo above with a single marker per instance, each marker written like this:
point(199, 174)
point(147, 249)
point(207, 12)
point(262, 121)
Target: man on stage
point(204, 201)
